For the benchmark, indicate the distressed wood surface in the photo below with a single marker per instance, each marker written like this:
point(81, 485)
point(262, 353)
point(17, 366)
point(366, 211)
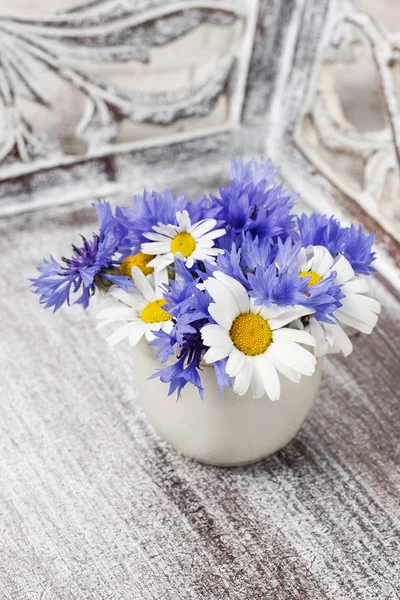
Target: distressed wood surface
point(266, 78)
point(94, 505)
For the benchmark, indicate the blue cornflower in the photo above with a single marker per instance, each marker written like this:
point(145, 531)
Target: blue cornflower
point(272, 216)
point(179, 374)
point(151, 209)
point(253, 203)
point(319, 230)
point(269, 286)
point(231, 263)
point(85, 268)
point(281, 283)
point(256, 252)
point(203, 208)
point(286, 253)
point(221, 375)
point(358, 250)
point(186, 368)
point(166, 343)
point(188, 306)
point(324, 297)
point(254, 172)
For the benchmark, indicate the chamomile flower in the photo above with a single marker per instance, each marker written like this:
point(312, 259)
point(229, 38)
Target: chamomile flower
point(136, 260)
point(141, 311)
point(192, 241)
point(254, 339)
point(356, 310)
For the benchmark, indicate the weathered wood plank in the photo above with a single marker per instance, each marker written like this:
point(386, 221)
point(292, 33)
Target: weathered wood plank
point(94, 505)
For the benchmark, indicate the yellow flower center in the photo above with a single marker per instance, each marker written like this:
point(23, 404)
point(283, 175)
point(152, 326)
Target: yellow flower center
point(184, 243)
point(136, 260)
point(153, 313)
point(251, 334)
point(315, 278)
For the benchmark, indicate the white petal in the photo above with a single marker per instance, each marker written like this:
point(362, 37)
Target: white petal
point(156, 237)
point(151, 328)
point(214, 335)
point(318, 332)
point(215, 251)
point(323, 260)
point(289, 373)
point(203, 244)
point(241, 296)
point(341, 338)
point(117, 313)
point(107, 322)
point(358, 285)
point(125, 297)
point(235, 362)
point(203, 255)
point(365, 325)
point(267, 312)
point(167, 326)
point(344, 270)
point(202, 227)
point(225, 307)
point(183, 219)
point(291, 314)
point(136, 334)
point(160, 279)
point(143, 284)
point(293, 335)
point(206, 253)
point(154, 248)
point(162, 261)
point(243, 378)
point(362, 302)
point(302, 260)
point(257, 384)
point(216, 353)
point(169, 231)
point(269, 376)
point(121, 333)
point(358, 309)
point(220, 315)
point(211, 235)
point(293, 356)
point(149, 335)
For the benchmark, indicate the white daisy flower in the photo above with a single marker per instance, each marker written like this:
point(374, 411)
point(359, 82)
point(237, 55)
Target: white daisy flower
point(192, 242)
point(255, 339)
point(357, 311)
point(143, 313)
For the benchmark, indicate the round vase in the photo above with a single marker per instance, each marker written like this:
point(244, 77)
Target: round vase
point(223, 430)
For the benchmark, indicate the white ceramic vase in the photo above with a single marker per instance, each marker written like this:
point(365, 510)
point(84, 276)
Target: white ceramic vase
point(227, 430)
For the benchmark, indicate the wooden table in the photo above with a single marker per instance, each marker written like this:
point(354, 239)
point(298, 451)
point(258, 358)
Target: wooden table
point(94, 505)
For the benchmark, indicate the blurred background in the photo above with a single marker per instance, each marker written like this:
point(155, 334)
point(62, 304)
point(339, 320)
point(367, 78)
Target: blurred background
point(103, 98)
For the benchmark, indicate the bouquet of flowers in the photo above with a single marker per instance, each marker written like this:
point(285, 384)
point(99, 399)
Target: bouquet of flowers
point(233, 280)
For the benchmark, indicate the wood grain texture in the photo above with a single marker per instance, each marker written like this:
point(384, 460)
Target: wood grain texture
point(94, 505)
